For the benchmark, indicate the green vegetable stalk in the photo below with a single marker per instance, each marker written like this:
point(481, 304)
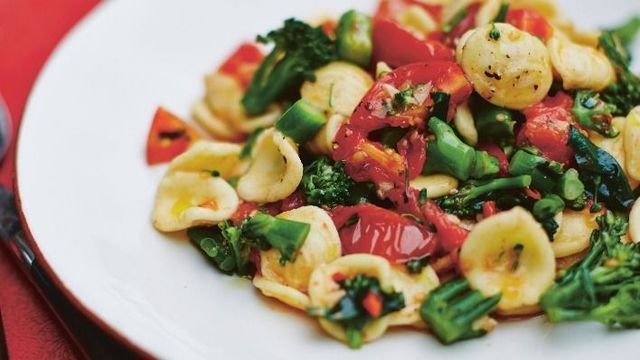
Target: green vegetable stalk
point(301, 121)
point(229, 247)
point(468, 201)
point(298, 50)
point(493, 123)
point(353, 38)
point(605, 286)
point(625, 93)
point(451, 310)
point(450, 155)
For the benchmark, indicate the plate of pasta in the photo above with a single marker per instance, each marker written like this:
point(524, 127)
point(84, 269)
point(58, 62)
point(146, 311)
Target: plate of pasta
point(416, 178)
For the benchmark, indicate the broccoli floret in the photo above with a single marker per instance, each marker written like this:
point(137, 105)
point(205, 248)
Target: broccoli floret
point(450, 155)
point(229, 247)
point(627, 31)
point(325, 183)
point(364, 301)
point(593, 113)
point(451, 310)
point(625, 93)
point(298, 50)
point(468, 201)
point(605, 286)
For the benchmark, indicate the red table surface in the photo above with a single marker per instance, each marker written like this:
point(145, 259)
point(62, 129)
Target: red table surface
point(29, 31)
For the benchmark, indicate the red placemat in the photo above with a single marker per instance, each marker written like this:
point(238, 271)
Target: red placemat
point(29, 30)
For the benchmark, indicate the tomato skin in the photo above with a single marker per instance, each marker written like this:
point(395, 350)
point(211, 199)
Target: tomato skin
point(413, 147)
point(530, 21)
point(450, 235)
point(390, 9)
point(293, 201)
point(245, 209)
point(495, 151)
point(547, 127)
point(168, 137)
point(373, 304)
point(367, 160)
point(489, 209)
point(243, 63)
point(382, 232)
point(397, 46)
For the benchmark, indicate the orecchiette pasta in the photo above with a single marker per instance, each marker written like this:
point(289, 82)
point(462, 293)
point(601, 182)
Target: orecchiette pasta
point(579, 66)
point(509, 253)
point(452, 8)
point(574, 232)
point(324, 292)
point(568, 28)
point(322, 245)
point(465, 125)
point(616, 146)
point(415, 288)
point(322, 143)
point(275, 170)
point(437, 185)
point(487, 12)
point(632, 144)
point(210, 156)
point(634, 222)
point(338, 87)
point(508, 67)
point(214, 125)
point(417, 20)
point(186, 199)
point(224, 95)
point(288, 295)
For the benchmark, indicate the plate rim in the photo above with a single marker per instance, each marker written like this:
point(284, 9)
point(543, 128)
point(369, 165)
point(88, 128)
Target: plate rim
point(84, 310)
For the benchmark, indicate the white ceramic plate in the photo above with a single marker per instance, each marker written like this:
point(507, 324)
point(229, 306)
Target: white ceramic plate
point(86, 193)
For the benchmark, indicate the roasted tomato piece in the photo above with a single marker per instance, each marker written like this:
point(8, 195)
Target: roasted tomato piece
point(243, 63)
point(397, 46)
point(450, 234)
point(169, 137)
point(369, 229)
point(547, 127)
point(368, 160)
point(530, 21)
point(392, 9)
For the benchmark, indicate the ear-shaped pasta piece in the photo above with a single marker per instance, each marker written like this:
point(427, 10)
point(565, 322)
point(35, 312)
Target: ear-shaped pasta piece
point(322, 245)
point(547, 8)
point(322, 143)
point(634, 222)
point(566, 27)
point(186, 199)
point(338, 88)
point(465, 125)
point(324, 292)
point(415, 288)
point(275, 170)
point(224, 96)
point(617, 146)
point(210, 156)
point(286, 294)
point(574, 233)
point(418, 20)
point(487, 12)
point(437, 185)
point(215, 126)
point(579, 66)
point(632, 143)
point(508, 67)
point(509, 253)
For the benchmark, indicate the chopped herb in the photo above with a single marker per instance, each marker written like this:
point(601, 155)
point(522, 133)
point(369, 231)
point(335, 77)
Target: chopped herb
point(422, 197)
point(460, 15)
point(502, 13)
point(248, 145)
point(494, 34)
